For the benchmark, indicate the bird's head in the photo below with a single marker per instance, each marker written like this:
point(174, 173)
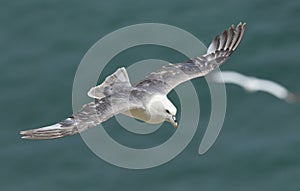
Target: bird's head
point(161, 106)
point(171, 116)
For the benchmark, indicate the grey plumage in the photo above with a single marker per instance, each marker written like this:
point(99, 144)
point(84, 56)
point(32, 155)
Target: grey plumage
point(117, 95)
point(168, 77)
point(90, 115)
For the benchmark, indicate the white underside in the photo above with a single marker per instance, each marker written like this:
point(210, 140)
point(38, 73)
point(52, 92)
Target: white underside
point(142, 115)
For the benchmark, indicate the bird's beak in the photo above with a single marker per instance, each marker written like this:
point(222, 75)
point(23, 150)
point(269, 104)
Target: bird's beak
point(174, 122)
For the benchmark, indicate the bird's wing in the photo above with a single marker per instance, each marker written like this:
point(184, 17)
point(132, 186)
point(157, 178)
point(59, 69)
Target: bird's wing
point(256, 84)
point(271, 87)
point(91, 115)
point(276, 90)
point(230, 77)
point(168, 77)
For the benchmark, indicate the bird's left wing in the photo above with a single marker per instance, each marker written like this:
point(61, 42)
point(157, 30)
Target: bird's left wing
point(169, 76)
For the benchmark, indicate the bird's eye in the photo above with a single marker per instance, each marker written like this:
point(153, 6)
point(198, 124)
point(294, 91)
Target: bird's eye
point(168, 111)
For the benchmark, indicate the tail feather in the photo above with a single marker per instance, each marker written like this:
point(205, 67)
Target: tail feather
point(111, 84)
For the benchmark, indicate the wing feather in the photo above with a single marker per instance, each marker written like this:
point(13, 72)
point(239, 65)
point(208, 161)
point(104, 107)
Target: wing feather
point(90, 115)
point(168, 77)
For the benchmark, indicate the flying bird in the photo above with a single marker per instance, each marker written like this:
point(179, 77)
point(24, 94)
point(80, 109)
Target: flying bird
point(147, 100)
point(253, 84)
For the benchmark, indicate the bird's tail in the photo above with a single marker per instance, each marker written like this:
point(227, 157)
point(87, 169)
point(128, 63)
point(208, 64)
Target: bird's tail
point(85, 118)
point(111, 84)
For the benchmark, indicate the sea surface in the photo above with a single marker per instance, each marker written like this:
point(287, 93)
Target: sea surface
point(42, 44)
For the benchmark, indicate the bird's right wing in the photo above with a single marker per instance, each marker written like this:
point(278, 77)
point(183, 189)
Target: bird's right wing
point(91, 115)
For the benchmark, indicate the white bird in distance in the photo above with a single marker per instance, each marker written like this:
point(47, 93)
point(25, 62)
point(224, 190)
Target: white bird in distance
point(147, 100)
point(253, 84)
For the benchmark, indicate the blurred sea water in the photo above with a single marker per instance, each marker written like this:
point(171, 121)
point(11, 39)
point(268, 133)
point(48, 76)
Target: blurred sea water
point(42, 43)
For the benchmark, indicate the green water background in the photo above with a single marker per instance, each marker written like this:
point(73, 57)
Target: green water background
point(42, 43)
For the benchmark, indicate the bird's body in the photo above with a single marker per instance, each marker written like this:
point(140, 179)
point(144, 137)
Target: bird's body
point(147, 100)
point(151, 114)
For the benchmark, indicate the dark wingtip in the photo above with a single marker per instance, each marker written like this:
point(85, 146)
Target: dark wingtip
point(229, 40)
